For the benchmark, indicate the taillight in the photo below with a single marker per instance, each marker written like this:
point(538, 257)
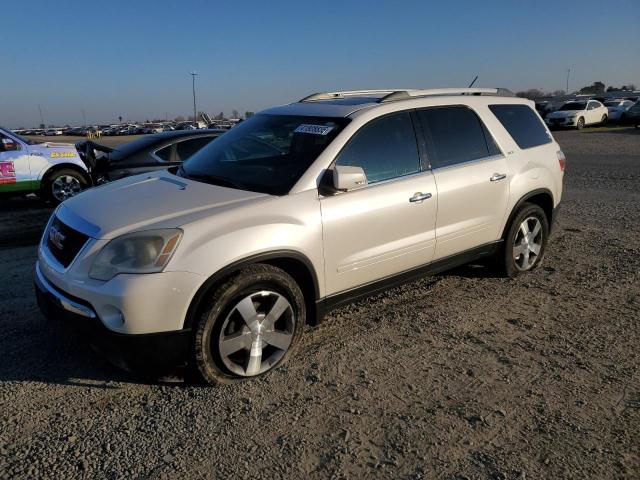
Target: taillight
point(562, 160)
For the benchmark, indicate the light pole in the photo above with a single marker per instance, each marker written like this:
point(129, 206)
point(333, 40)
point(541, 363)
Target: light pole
point(568, 72)
point(193, 86)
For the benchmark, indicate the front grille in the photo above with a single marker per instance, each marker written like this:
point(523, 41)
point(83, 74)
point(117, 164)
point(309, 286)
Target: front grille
point(64, 242)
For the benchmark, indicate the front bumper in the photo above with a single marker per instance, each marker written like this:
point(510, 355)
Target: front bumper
point(153, 353)
point(561, 122)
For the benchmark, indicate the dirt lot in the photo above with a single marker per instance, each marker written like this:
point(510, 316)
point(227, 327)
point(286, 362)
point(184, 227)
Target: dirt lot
point(465, 375)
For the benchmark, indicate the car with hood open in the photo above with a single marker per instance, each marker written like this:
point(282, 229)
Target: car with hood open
point(146, 154)
point(578, 114)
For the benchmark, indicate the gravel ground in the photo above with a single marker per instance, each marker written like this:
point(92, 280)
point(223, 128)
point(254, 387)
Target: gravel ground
point(465, 375)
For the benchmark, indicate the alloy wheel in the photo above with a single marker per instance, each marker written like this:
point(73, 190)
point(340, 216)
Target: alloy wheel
point(256, 333)
point(528, 243)
point(65, 186)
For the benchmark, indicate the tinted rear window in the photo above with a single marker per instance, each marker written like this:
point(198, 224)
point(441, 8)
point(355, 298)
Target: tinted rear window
point(454, 135)
point(523, 124)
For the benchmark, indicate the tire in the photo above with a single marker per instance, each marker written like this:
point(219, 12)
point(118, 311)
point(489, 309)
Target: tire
point(513, 263)
point(604, 120)
point(254, 347)
point(580, 123)
point(62, 184)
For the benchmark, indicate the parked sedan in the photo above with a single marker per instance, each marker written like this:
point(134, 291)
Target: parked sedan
point(578, 114)
point(632, 116)
point(617, 108)
point(151, 152)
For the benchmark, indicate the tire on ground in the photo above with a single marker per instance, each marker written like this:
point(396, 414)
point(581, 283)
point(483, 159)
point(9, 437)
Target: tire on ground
point(206, 364)
point(46, 188)
point(506, 259)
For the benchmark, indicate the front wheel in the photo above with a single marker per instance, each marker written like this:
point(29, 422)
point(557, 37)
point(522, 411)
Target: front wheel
point(252, 323)
point(526, 240)
point(580, 123)
point(62, 184)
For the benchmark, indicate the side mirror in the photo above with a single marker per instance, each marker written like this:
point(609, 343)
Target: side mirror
point(348, 178)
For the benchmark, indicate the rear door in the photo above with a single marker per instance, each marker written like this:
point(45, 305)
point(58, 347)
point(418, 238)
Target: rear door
point(471, 175)
point(383, 228)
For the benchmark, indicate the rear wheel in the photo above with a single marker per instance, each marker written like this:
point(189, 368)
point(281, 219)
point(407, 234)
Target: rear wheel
point(604, 120)
point(62, 184)
point(252, 323)
point(526, 240)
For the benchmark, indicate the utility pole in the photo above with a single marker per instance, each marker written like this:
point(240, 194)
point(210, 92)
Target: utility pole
point(568, 72)
point(193, 86)
point(84, 118)
point(41, 117)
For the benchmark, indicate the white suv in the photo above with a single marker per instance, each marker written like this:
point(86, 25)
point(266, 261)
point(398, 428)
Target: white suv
point(219, 264)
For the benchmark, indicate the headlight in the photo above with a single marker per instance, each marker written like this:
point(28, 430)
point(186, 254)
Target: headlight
point(139, 252)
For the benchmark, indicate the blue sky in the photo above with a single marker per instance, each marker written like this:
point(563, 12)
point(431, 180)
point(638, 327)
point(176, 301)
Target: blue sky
point(133, 58)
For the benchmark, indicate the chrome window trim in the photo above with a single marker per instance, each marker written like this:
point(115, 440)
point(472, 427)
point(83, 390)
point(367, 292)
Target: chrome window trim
point(468, 162)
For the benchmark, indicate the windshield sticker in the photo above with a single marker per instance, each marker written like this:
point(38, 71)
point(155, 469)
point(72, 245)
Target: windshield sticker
point(7, 173)
point(313, 129)
point(62, 154)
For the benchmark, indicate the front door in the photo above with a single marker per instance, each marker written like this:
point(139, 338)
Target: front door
point(471, 175)
point(387, 226)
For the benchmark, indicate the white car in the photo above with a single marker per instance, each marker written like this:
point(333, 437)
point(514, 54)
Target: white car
point(578, 114)
point(52, 132)
point(54, 171)
point(617, 108)
point(219, 263)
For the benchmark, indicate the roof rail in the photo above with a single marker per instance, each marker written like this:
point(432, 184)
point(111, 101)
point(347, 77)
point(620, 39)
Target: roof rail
point(390, 95)
point(347, 93)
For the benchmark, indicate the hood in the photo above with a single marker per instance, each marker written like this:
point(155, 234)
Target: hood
point(141, 202)
point(564, 113)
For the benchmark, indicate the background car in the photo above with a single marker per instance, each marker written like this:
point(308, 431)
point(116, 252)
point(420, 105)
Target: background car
point(632, 116)
point(53, 132)
point(617, 108)
point(578, 114)
point(149, 153)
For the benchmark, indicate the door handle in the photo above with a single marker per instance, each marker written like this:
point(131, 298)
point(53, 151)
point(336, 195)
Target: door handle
point(419, 197)
point(496, 177)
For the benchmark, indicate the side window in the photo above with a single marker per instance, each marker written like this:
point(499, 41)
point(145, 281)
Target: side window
point(8, 144)
point(385, 148)
point(592, 105)
point(454, 135)
point(187, 148)
point(522, 123)
point(164, 153)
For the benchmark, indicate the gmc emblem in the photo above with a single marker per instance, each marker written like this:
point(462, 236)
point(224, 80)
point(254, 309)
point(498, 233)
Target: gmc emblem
point(56, 237)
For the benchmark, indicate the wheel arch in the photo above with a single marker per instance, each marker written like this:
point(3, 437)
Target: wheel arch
point(294, 263)
point(541, 197)
point(61, 166)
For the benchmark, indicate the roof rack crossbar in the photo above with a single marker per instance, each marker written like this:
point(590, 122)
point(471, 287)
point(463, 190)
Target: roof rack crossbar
point(390, 95)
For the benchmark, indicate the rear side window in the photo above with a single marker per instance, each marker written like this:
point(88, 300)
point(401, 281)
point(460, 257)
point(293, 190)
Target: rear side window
point(454, 135)
point(385, 148)
point(186, 148)
point(523, 125)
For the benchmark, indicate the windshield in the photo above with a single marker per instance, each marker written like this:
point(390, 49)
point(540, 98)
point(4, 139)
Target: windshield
point(574, 106)
point(267, 153)
point(611, 104)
